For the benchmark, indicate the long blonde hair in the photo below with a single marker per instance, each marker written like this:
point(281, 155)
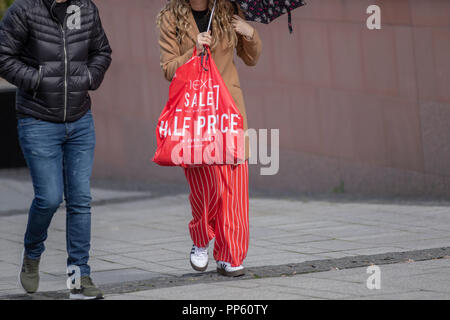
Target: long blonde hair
point(222, 29)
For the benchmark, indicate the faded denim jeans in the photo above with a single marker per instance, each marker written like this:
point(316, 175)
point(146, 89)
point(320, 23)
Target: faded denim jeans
point(60, 158)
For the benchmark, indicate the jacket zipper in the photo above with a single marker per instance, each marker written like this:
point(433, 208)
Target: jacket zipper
point(65, 56)
point(65, 72)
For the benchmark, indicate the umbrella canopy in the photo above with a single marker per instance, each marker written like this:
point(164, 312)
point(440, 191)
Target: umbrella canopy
point(265, 11)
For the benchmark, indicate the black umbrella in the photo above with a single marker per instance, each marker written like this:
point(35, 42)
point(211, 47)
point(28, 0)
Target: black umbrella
point(265, 11)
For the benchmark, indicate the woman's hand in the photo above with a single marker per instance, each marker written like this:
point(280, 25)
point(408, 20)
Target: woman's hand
point(243, 28)
point(203, 39)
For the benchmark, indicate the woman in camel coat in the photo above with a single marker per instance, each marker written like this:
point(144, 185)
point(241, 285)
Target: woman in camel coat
point(219, 193)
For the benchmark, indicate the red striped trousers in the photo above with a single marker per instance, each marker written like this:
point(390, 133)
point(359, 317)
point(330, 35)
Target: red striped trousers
point(219, 201)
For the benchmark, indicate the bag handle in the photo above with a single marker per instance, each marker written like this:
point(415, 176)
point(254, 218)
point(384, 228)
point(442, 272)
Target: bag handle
point(206, 51)
point(204, 57)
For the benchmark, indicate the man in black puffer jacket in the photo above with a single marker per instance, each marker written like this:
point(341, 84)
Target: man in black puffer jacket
point(55, 51)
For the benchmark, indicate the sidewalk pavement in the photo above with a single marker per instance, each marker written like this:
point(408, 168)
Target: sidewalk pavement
point(138, 237)
point(419, 280)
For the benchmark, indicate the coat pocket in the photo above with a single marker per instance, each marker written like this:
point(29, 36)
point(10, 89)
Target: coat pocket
point(90, 77)
point(40, 75)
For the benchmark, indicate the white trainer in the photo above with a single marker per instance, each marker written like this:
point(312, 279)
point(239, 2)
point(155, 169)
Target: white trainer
point(225, 269)
point(199, 258)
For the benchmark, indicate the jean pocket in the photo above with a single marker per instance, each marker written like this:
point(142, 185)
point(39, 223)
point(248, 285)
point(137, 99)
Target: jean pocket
point(27, 121)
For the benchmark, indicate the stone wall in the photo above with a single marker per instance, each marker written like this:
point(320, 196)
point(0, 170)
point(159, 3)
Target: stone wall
point(360, 111)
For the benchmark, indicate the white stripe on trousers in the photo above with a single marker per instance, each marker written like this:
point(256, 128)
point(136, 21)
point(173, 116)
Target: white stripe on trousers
point(219, 201)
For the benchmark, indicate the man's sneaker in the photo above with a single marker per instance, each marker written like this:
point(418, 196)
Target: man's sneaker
point(199, 258)
point(225, 269)
point(29, 274)
point(87, 291)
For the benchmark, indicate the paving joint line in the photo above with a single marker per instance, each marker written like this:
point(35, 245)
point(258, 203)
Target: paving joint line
point(284, 270)
point(102, 202)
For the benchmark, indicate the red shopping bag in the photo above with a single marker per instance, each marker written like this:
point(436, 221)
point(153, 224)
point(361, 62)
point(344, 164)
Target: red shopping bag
point(200, 124)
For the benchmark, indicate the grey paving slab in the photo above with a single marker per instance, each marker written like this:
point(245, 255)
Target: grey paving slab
point(18, 194)
point(291, 238)
point(371, 250)
point(126, 297)
point(424, 243)
point(211, 291)
point(412, 295)
point(122, 275)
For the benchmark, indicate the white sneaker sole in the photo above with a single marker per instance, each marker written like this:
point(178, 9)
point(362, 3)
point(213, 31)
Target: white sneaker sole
point(236, 273)
point(197, 268)
point(79, 296)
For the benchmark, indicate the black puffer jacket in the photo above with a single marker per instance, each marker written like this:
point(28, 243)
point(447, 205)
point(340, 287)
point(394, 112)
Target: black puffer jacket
point(53, 65)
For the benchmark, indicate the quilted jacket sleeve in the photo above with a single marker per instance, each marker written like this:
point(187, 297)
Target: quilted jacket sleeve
point(13, 37)
point(99, 54)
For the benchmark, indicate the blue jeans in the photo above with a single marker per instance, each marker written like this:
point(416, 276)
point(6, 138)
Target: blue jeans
point(60, 158)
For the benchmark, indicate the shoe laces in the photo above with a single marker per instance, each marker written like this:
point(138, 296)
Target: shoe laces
point(227, 266)
point(224, 265)
point(199, 251)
